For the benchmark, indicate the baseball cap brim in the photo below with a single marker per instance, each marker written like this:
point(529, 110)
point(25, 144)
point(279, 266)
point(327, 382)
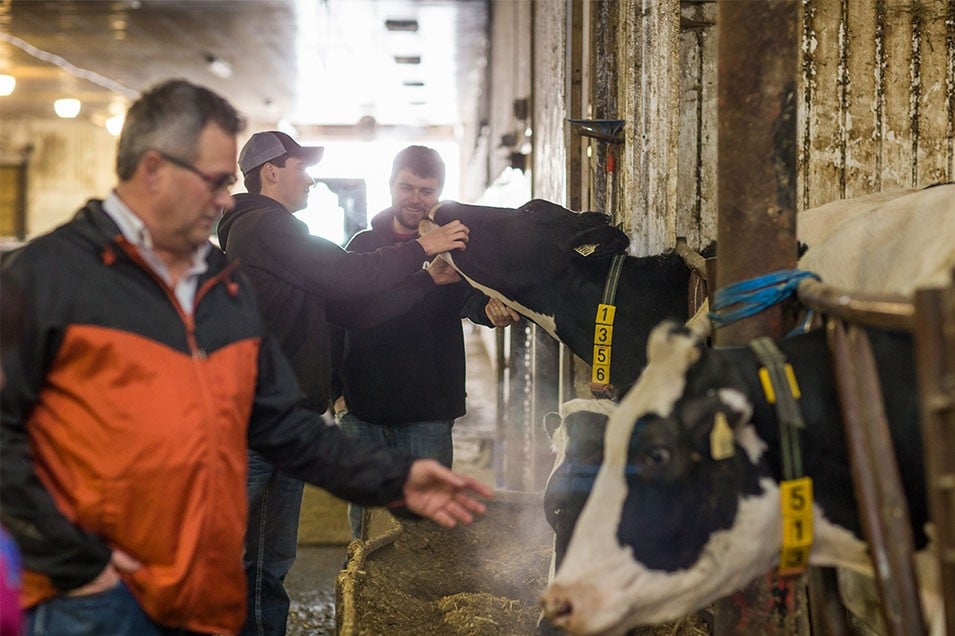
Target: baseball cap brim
point(310, 155)
point(266, 146)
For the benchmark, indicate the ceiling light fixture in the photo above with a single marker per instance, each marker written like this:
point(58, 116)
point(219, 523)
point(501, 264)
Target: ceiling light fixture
point(408, 59)
point(7, 84)
point(218, 67)
point(114, 125)
point(67, 107)
point(401, 25)
point(412, 83)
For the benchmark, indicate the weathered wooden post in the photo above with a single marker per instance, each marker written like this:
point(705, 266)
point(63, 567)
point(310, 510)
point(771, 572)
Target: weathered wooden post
point(758, 54)
point(935, 359)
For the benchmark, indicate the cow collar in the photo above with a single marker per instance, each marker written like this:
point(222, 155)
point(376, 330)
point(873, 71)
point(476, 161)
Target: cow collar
point(603, 330)
point(795, 489)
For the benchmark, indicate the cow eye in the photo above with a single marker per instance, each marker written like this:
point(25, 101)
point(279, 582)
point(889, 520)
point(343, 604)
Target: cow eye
point(656, 456)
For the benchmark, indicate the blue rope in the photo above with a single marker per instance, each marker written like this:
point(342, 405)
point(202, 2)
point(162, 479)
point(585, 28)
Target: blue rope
point(755, 294)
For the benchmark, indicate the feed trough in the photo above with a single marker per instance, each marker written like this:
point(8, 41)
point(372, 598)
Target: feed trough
point(414, 577)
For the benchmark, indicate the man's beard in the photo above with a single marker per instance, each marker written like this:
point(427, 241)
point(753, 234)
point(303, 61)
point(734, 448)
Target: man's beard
point(403, 218)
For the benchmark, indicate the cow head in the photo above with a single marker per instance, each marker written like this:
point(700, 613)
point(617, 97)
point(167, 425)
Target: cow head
point(577, 436)
point(675, 519)
point(523, 256)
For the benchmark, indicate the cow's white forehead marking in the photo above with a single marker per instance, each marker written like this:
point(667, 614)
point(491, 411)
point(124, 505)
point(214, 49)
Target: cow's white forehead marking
point(543, 320)
point(660, 385)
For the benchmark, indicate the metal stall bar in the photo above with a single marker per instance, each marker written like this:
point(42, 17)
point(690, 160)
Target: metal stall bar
point(875, 478)
point(882, 311)
point(935, 364)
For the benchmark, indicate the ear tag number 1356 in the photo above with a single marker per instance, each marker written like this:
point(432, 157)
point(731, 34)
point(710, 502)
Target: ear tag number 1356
point(603, 341)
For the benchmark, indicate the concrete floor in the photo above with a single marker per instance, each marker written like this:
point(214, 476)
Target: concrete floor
point(311, 581)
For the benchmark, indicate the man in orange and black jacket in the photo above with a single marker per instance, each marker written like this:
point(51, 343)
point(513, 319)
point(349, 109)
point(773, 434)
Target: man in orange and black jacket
point(144, 373)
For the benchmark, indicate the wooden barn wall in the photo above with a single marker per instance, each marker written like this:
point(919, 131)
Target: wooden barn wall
point(510, 73)
point(877, 97)
point(549, 88)
point(697, 168)
point(648, 91)
point(876, 104)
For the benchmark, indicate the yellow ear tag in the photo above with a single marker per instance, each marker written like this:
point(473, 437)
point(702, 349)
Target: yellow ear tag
point(586, 250)
point(721, 438)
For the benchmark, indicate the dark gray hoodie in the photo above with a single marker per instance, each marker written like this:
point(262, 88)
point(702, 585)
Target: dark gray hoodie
point(303, 282)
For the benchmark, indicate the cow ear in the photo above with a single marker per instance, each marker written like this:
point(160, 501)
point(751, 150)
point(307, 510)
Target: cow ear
point(710, 424)
point(551, 423)
point(601, 239)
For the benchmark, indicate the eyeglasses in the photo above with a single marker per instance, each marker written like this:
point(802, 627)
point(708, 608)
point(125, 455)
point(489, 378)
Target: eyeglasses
point(216, 182)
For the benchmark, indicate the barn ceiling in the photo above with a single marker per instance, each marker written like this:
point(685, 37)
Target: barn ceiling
point(309, 62)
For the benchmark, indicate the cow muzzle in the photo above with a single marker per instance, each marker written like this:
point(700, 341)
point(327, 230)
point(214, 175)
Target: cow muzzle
point(427, 224)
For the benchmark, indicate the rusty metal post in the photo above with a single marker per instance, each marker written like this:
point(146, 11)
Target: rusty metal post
point(883, 508)
point(758, 53)
point(935, 363)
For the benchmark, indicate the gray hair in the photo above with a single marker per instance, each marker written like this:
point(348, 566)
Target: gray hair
point(169, 118)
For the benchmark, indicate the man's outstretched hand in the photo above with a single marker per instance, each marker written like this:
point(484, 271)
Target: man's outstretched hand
point(444, 496)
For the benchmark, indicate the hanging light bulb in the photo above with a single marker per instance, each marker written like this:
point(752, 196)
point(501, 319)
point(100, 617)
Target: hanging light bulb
point(114, 125)
point(7, 84)
point(67, 107)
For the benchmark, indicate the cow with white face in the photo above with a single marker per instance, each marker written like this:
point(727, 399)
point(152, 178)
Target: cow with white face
point(577, 438)
point(671, 525)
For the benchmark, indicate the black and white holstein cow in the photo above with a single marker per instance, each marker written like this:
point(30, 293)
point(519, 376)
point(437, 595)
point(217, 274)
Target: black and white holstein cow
point(668, 528)
point(577, 438)
point(550, 265)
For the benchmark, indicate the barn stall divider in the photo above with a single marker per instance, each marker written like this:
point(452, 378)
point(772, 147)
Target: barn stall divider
point(930, 318)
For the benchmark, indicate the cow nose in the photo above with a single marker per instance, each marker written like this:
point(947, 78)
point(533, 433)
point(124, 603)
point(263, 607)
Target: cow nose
point(557, 608)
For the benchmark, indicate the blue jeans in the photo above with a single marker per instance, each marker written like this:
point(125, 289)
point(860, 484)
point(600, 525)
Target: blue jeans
point(275, 501)
point(114, 612)
point(422, 439)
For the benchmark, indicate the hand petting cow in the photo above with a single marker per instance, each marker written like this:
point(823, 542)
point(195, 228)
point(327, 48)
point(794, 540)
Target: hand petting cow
point(676, 520)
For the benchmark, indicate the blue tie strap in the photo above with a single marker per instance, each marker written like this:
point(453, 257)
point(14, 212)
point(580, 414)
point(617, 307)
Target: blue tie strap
point(753, 295)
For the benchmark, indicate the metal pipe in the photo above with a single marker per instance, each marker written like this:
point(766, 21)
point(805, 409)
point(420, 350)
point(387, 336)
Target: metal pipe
point(879, 311)
point(883, 508)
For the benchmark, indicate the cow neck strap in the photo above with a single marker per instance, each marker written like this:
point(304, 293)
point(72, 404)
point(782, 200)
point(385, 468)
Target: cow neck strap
point(603, 330)
point(795, 489)
point(613, 278)
point(779, 385)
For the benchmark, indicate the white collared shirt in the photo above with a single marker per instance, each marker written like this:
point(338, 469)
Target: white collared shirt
point(138, 234)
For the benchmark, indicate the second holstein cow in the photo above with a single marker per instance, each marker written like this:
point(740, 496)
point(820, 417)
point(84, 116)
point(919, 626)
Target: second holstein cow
point(672, 525)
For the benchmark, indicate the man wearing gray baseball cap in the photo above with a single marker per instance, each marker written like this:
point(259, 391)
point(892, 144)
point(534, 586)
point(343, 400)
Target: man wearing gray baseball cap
point(303, 283)
point(266, 146)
